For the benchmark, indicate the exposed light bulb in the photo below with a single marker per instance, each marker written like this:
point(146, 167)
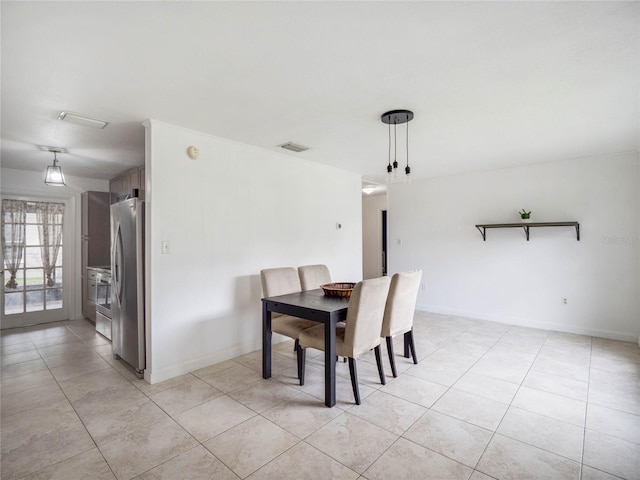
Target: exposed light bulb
point(54, 176)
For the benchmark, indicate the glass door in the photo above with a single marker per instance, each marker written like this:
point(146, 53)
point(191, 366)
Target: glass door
point(33, 256)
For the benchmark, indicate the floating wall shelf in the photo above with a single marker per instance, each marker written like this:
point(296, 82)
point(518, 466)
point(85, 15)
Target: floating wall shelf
point(527, 226)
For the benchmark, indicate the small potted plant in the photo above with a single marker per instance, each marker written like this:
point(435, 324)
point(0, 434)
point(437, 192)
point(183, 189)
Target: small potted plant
point(525, 216)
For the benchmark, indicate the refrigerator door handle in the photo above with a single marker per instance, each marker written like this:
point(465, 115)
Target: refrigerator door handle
point(117, 265)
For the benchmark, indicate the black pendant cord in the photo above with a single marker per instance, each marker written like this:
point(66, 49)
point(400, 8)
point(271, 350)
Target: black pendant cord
point(395, 146)
point(389, 168)
point(407, 170)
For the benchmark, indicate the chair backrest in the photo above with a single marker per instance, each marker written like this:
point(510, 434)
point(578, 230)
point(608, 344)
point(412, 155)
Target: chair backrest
point(279, 281)
point(364, 317)
point(401, 303)
point(312, 276)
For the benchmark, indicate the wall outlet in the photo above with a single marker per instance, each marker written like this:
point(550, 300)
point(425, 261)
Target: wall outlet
point(564, 301)
point(165, 247)
point(423, 287)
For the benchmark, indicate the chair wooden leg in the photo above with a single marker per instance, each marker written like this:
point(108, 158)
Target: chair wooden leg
point(377, 351)
point(301, 354)
point(392, 359)
point(407, 345)
point(354, 379)
point(295, 345)
point(412, 345)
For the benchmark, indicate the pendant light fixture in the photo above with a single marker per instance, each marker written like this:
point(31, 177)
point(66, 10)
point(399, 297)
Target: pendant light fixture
point(395, 118)
point(54, 176)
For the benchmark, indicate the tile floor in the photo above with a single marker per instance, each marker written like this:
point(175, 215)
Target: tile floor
point(486, 401)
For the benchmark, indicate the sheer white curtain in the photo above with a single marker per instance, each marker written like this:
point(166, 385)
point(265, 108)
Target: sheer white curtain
point(14, 216)
point(49, 217)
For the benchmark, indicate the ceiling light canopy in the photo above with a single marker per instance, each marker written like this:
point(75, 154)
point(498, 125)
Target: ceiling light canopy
point(82, 120)
point(54, 176)
point(395, 118)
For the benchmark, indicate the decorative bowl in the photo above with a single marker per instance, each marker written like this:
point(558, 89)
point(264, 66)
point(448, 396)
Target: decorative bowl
point(340, 289)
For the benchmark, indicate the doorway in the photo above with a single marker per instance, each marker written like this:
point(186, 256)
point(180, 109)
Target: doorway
point(34, 262)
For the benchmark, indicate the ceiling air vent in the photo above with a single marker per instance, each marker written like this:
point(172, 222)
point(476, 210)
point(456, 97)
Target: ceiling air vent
point(294, 147)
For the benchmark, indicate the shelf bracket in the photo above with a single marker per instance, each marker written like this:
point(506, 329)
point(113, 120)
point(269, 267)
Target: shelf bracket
point(526, 231)
point(578, 231)
point(483, 232)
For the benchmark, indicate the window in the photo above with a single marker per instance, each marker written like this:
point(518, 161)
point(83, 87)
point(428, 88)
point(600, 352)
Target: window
point(32, 251)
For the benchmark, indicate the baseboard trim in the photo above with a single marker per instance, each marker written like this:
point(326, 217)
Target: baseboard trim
point(521, 322)
point(160, 375)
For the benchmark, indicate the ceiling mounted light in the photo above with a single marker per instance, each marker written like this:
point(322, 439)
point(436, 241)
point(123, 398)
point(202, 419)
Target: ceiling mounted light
point(395, 118)
point(82, 120)
point(54, 176)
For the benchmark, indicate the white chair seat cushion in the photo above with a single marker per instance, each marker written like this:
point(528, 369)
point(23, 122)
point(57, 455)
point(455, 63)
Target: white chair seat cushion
point(314, 338)
point(291, 326)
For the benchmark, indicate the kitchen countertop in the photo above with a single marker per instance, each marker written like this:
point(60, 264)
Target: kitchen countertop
point(101, 269)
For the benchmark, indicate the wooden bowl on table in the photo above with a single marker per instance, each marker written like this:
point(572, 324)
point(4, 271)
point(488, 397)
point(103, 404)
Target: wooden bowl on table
point(338, 289)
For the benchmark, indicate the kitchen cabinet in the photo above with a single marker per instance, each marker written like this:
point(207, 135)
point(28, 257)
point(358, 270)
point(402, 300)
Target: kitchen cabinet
point(96, 243)
point(127, 181)
point(142, 183)
point(115, 186)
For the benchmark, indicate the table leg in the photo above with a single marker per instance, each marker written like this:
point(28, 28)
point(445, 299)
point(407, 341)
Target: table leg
point(266, 341)
point(330, 361)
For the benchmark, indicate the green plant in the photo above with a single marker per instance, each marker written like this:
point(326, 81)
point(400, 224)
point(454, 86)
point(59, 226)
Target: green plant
point(524, 214)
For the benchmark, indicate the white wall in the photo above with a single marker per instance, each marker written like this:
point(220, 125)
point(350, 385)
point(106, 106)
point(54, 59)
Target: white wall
point(372, 207)
point(508, 279)
point(236, 210)
point(31, 184)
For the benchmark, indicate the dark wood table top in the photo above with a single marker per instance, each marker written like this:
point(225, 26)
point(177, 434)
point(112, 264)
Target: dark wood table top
point(312, 299)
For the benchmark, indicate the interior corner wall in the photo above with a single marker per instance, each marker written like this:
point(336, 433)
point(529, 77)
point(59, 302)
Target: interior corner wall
point(510, 280)
point(227, 215)
point(372, 207)
point(31, 184)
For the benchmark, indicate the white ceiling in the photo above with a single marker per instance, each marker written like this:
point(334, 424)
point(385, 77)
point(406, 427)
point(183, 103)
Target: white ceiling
point(492, 84)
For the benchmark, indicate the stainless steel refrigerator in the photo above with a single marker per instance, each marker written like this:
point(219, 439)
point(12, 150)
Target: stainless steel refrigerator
point(127, 282)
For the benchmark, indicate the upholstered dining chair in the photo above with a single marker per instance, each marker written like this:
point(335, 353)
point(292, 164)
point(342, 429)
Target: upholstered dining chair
point(399, 311)
point(312, 276)
point(361, 332)
point(280, 281)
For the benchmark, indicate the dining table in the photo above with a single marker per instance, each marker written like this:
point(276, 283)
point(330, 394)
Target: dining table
point(311, 305)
